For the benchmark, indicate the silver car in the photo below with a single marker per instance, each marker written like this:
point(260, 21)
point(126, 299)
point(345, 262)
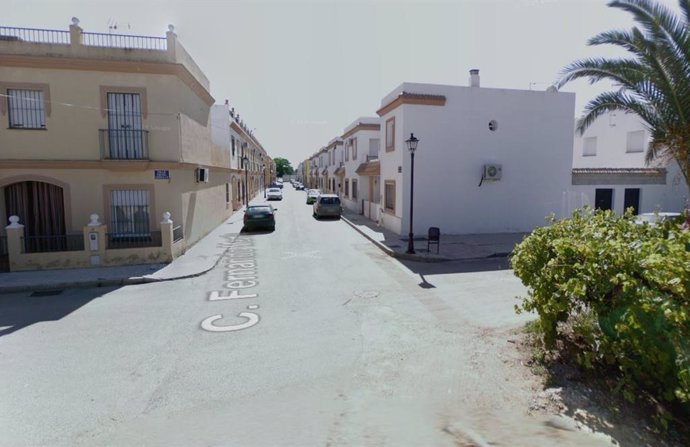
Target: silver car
point(327, 205)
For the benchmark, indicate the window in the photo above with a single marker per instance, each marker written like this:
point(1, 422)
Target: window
point(373, 147)
point(232, 140)
point(354, 189)
point(589, 146)
point(635, 141)
point(389, 195)
point(26, 109)
point(354, 149)
point(347, 149)
point(603, 199)
point(227, 193)
point(347, 187)
point(390, 134)
point(129, 212)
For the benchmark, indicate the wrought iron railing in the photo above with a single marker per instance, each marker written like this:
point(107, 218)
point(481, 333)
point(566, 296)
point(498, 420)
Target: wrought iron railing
point(34, 35)
point(124, 144)
point(44, 244)
point(124, 41)
point(126, 240)
point(178, 233)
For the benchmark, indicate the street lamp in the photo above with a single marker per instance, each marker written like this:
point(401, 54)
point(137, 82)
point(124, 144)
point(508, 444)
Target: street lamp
point(263, 168)
point(245, 162)
point(411, 146)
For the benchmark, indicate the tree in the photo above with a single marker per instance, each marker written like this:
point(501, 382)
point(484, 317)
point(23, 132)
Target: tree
point(653, 81)
point(283, 167)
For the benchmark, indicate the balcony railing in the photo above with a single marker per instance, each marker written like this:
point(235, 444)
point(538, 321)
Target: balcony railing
point(34, 35)
point(124, 240)
point(124, 41)
point(43, 244)
point(124, 144)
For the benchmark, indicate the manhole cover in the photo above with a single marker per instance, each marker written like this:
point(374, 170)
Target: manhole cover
point(367, 294)
point(46, 293)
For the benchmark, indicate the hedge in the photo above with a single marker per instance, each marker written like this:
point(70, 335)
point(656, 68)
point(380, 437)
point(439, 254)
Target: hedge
point(634, 279)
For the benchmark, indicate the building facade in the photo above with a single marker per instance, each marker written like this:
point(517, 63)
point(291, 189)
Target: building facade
point(114, 126)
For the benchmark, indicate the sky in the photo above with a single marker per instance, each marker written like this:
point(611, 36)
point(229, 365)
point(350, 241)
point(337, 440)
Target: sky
point(299, 71)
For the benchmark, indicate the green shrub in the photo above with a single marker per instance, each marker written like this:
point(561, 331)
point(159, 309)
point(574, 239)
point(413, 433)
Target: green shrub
point(634, 280)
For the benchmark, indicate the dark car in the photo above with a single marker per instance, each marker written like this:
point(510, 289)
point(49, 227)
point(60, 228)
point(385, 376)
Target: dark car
point(259, 217)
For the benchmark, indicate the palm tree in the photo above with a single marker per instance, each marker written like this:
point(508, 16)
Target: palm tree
point(653, 81)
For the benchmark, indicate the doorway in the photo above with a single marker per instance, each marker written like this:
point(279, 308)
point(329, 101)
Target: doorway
point(603, 199)
point(632, 200)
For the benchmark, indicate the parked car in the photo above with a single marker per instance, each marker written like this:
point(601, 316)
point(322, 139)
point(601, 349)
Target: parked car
point(258, 217)
point(274, 194)
point(655, 218)
point(299, 187)
point(327, 205)
point(312, 194)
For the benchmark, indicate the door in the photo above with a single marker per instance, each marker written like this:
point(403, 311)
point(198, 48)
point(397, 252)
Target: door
point(632, 199)
point(40, 207)
point(125, 130)
point(603, 199)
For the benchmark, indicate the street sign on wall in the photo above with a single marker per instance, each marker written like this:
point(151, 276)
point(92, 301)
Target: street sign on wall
point(161, 174)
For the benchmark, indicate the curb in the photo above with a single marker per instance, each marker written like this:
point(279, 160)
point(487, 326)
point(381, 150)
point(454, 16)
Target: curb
point(389, 251)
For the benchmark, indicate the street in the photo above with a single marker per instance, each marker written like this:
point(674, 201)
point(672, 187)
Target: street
point(308, 335)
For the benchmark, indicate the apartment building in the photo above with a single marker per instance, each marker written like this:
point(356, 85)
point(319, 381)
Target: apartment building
point(110, 131)
point(609, 169)
point(360, 170)
point(488, 160)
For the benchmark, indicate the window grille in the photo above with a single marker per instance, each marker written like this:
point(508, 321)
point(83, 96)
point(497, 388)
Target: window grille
point(354, 189)
point(129, 214)
point(26, 109)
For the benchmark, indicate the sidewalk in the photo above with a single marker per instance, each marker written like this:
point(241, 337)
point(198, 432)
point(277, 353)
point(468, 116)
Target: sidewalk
point(451, 247)
point(206, 253)
point(199, 259)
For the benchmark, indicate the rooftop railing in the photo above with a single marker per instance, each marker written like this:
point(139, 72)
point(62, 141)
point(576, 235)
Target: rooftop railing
point(124, 41)
point(34, 35)
point(104, 40)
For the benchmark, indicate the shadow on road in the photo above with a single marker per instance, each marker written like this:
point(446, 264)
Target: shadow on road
point(20, 311)
point(468, 266)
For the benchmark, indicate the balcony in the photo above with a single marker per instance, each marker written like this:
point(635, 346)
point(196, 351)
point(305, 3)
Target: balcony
point(124, 144)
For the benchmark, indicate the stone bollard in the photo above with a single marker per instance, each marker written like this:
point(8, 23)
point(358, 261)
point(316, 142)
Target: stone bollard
point(15, 233)
point(167, 236)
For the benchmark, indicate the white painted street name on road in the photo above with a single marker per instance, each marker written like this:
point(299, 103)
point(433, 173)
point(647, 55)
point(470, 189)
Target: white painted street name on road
point(239, 263)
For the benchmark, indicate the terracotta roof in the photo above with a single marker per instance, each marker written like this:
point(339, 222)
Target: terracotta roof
point(340, 171)
point(370, 168)
point(412, 98)
point(325, 171)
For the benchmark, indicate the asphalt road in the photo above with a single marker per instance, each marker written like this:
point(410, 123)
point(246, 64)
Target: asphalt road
point(305, 336)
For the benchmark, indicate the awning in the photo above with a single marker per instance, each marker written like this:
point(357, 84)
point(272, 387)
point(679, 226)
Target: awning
point(618, 176)
point(340, 172)
point(370, 168)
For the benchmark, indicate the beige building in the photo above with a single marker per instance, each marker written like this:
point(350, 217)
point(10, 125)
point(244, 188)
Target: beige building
point(113, 125)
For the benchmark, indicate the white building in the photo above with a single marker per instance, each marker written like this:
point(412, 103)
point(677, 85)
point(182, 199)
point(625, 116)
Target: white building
point(360, 190)
point(489, 160)
point(609, 169)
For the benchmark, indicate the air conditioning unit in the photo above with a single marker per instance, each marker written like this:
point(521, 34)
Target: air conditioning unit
point(492, 172)
point(202, 175)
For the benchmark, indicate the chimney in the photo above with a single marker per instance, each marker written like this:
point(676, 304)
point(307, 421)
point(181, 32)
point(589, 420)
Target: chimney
point(227, 103)
point(474, 77)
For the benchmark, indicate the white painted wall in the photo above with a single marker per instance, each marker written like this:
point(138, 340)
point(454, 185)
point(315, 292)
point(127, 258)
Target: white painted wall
point(533, 143)
point(220, 126)
point(611, 133)
point(352, 163)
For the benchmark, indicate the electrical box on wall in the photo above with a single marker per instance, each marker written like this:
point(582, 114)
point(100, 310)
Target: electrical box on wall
point(202, 175)
point(492, 172)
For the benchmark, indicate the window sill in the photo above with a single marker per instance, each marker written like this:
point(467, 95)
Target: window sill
point(27, 128)
point(589, 155)
point(388, 211)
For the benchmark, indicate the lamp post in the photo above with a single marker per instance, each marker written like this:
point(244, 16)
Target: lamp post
point(245, 162)
point(411, 146)
point(263, 167)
